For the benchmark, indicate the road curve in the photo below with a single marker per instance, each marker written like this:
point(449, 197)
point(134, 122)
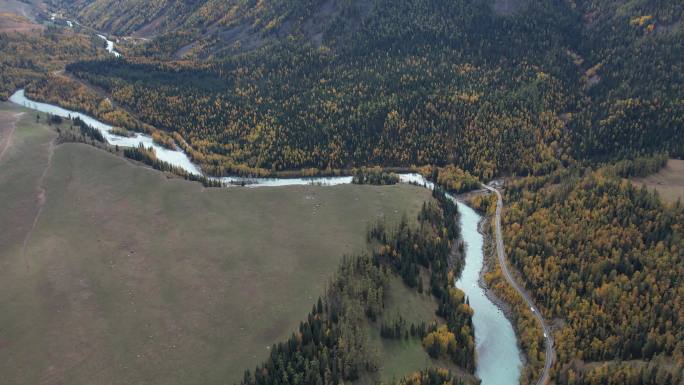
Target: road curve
point(550, 353)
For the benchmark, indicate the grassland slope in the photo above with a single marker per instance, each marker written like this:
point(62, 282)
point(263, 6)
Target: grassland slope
point(130, 277)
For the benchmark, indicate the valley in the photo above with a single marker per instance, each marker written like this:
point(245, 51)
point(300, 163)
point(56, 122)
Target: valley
point(364, 192)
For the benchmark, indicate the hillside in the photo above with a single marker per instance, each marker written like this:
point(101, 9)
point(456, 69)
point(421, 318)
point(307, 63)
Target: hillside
point(407, 82)
point(223, 22)
point(114, 273)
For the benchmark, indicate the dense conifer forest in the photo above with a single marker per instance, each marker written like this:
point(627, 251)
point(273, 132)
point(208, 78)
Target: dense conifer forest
point(29, 57)
point(406, 85)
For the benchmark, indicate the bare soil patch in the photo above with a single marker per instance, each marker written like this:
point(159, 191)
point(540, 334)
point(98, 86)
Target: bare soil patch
point(10, 22)
point(150, 29)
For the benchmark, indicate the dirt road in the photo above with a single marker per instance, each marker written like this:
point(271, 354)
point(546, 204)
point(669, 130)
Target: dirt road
point(550, 352)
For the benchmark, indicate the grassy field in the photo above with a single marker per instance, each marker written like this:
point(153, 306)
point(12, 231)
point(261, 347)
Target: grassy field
point(133, 278)
point(669, 181)
point(401, 357)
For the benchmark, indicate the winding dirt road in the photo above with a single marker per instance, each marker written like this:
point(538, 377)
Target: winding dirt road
point(550, 352)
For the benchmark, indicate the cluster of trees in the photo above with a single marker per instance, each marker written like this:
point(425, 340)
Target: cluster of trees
point(374, 175)
point(431, 377)
point(604, 256)
point(452, 178)
point(640, 166)
point(399, 328)
point(163, 140)
point(484, 203)
point(75, 130)
point(441, 343)
point(71, 94)
point(88, 131)
point(407, 249)
point(330, 347)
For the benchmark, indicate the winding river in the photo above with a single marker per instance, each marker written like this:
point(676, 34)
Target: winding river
point(498, 356)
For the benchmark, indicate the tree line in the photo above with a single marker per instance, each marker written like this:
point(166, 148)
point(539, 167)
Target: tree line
point(330, 347)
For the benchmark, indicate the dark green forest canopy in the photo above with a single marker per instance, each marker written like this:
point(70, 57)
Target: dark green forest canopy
point(413, 82)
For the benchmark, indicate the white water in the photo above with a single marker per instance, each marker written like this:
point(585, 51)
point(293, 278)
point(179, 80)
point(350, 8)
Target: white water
point(174, 157)
point(110, 46)
point(281, 182)
point(498, 357)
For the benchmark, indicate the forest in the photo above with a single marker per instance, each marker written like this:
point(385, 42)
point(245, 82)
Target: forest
point(428, 92)
point(28, 57)
point(606, 258)
point(565, 97)
point(654, 373)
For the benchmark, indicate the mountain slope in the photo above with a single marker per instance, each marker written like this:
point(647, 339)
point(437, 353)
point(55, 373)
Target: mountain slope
point(309, 83)
point(404, 85)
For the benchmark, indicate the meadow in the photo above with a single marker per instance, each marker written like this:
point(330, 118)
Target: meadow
point(113, 273)
point(401, 357)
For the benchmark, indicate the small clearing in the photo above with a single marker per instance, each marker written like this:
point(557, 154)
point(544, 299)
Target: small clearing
point(669, 181)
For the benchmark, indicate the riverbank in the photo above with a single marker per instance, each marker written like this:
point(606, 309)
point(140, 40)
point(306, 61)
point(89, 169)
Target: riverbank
point(536, 341)
point(498, 360)
point(490, 262)
point(490, 266)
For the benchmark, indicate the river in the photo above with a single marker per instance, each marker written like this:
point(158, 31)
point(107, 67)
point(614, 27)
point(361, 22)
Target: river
point(498, 357)
point(175, 157)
